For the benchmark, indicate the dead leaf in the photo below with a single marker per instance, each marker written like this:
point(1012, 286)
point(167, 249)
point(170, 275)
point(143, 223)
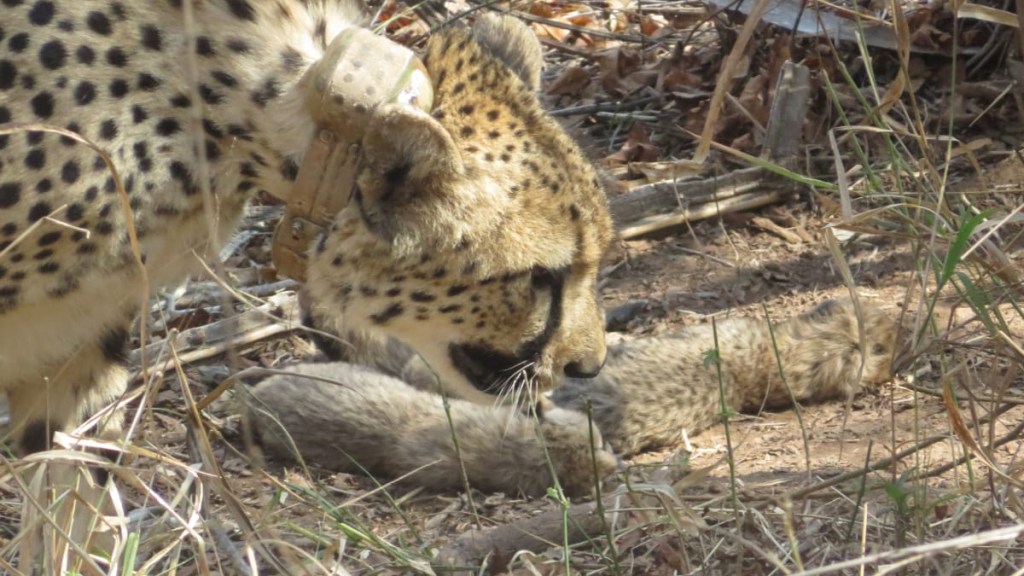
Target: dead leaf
point(638, 148)
point(752, 99)
point(618, 68)
point(542, 9)
point(570, 82)
point(649, 26)
point(892, 95)
point(675, 72)
point(296, 479)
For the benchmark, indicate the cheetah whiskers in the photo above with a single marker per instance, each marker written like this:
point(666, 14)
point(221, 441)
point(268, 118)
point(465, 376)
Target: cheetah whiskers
point(510, 391)
point(517, 391)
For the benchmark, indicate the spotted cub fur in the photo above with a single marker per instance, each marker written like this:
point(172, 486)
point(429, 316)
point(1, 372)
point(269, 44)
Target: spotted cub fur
point(474, 233)
point(654, 389)
point(650, 392)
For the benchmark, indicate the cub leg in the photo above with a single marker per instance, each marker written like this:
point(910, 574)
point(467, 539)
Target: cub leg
point(74, 390)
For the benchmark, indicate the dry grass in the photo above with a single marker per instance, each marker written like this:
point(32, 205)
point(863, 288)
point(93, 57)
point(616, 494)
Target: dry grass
point(187, 502)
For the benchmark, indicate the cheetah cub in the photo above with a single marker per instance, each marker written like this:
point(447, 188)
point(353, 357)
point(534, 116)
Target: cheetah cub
point(650, 390)
point(368, 422)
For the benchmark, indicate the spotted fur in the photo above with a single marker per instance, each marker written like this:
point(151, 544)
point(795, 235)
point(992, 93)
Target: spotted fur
point(655, 389)
point(474, 235)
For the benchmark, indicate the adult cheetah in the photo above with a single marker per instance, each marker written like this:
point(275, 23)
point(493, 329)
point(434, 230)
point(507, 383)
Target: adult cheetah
point(474, 232)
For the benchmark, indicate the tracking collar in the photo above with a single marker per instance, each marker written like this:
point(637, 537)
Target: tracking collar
point(359, 72)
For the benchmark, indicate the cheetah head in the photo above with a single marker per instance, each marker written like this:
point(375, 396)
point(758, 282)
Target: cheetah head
point(476, 231)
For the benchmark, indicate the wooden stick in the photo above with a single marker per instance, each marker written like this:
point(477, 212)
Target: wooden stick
point(280, 314)
point(700, 212)
point(667, 196)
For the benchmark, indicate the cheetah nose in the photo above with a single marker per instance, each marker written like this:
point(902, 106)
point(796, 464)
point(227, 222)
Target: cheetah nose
point(584, 368)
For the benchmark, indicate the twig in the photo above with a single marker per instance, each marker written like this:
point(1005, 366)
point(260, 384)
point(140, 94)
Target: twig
point(768, 225)
point(608, 106)
point(536, 534)
point(279, 315)
point(666, 196)
point(562, 47)
point(250, 337)
point(702, 211)
point(974, 398)
point(920, 551)
point(209, 293)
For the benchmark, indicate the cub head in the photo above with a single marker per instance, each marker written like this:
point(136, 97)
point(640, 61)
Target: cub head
point(476, 231)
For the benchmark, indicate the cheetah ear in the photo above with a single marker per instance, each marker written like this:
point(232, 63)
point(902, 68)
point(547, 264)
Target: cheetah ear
point(512, 42)
point(406, 147)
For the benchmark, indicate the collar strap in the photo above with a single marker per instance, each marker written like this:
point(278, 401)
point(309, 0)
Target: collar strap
point(359, 72)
